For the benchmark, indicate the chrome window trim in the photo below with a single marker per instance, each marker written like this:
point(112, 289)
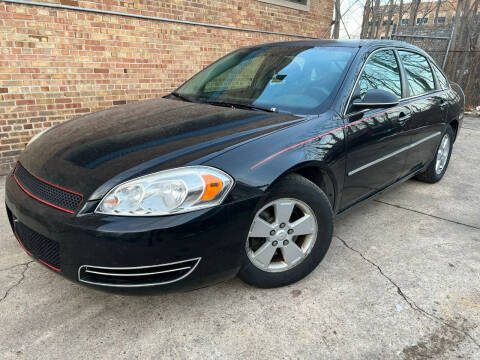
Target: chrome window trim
point(395, 49)
point(396, 152)
point(361, 71)
point(139, 267)
point(377, 104)
point(424, 94)
point(429, 62)
point(433, 64)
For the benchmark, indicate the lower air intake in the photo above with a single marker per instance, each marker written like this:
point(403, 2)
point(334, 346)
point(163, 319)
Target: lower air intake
point(137, 276)
point(45, 250)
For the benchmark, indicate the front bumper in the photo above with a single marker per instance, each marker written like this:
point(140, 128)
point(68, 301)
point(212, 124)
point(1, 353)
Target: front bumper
point(215, 237)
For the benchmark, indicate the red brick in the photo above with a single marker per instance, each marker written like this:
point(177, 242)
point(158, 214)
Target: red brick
point(25, 102)
point(63, 100)
point(141, 59)
point(69, 2)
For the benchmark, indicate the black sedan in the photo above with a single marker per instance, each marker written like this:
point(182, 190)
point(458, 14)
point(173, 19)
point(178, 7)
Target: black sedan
point(240, 171)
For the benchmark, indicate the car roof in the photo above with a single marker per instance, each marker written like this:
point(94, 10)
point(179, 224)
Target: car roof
point(354, 43)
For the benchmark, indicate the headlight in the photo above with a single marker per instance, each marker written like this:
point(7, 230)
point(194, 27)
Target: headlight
point(168, 192)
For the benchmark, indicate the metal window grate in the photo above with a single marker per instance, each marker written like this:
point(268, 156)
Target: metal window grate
point(49, 194)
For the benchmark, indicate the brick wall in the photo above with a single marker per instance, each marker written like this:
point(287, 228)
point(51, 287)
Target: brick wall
point(56, 64)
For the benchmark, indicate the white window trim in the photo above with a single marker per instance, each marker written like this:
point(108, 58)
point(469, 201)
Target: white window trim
point(289, 4)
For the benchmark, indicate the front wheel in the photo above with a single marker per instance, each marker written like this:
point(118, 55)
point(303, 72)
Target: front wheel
point(290, 234)
point(439, 164)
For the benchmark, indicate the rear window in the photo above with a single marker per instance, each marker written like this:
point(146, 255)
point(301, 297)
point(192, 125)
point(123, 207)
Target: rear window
point(418, 71)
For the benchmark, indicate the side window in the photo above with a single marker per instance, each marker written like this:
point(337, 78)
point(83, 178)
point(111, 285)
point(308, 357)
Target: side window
point(418, 72)
point(442, 80)
point(380, 72)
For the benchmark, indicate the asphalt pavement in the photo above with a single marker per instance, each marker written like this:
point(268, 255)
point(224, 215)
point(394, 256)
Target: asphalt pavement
point(400, 281)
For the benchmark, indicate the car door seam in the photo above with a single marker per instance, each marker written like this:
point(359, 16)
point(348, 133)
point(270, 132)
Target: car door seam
point(291, 147)
point(396, 152)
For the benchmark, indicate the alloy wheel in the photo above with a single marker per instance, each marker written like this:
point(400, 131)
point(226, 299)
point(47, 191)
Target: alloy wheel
point(442, 154)
point(282, 235)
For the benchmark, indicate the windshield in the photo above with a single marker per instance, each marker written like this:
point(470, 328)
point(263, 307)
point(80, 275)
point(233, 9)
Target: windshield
point(294, 79)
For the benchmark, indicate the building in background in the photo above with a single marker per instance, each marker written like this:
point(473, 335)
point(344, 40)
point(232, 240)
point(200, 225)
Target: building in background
point(63, 58)
point(390, 16)
point(449, 30)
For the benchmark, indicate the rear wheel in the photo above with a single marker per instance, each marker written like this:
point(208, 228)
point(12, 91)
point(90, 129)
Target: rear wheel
point(439, 164)
point(289, 235)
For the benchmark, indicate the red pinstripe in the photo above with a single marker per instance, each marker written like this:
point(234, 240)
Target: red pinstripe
point(37, 198)
point(20, 242)
point(41, 200)
point(29, 253)
point(50, 266)
point(58, 187)
point(332, 131)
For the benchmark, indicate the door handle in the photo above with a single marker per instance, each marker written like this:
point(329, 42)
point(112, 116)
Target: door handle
point(443, 104)
point(403, 117)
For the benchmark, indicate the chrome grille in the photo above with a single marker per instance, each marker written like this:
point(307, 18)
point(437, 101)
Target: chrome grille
point(139, 276)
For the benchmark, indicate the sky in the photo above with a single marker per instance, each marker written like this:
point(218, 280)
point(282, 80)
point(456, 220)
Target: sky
point(353, 10)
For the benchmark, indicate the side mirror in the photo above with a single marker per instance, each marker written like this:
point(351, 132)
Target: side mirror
point(376, 98)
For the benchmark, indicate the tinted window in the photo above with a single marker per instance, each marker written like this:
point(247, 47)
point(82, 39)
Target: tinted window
point(380, 72)
point(441, 79)
point(296, 79)
point(419, 74)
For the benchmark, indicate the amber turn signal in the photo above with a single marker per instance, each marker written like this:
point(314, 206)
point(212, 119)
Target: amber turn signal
point(213, 185)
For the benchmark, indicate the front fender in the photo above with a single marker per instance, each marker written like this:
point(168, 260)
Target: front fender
point(255, 166)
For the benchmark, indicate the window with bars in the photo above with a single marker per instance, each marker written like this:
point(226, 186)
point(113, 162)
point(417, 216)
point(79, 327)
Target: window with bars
point(422, 20)
point(295, 4)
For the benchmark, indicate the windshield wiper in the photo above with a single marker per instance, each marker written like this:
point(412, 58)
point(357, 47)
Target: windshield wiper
point(240, 105)
point(184, 98)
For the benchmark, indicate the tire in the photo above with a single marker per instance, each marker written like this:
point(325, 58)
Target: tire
point(433, 173)
point(311, 214)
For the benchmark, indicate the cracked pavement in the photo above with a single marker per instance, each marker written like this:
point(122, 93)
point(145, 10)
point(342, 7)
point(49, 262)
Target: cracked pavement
point(400, 281)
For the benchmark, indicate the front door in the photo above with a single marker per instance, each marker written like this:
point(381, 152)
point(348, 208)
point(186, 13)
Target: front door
point(375, 137)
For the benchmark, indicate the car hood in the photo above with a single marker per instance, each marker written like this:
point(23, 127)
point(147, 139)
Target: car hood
point(99, 150)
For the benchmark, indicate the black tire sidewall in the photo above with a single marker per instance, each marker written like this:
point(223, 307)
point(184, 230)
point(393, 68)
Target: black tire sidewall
point(430, 175)
point(296, 187)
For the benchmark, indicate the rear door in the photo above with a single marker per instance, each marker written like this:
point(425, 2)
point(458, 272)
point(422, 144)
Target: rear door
point(427, 106)
point(375, 136)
